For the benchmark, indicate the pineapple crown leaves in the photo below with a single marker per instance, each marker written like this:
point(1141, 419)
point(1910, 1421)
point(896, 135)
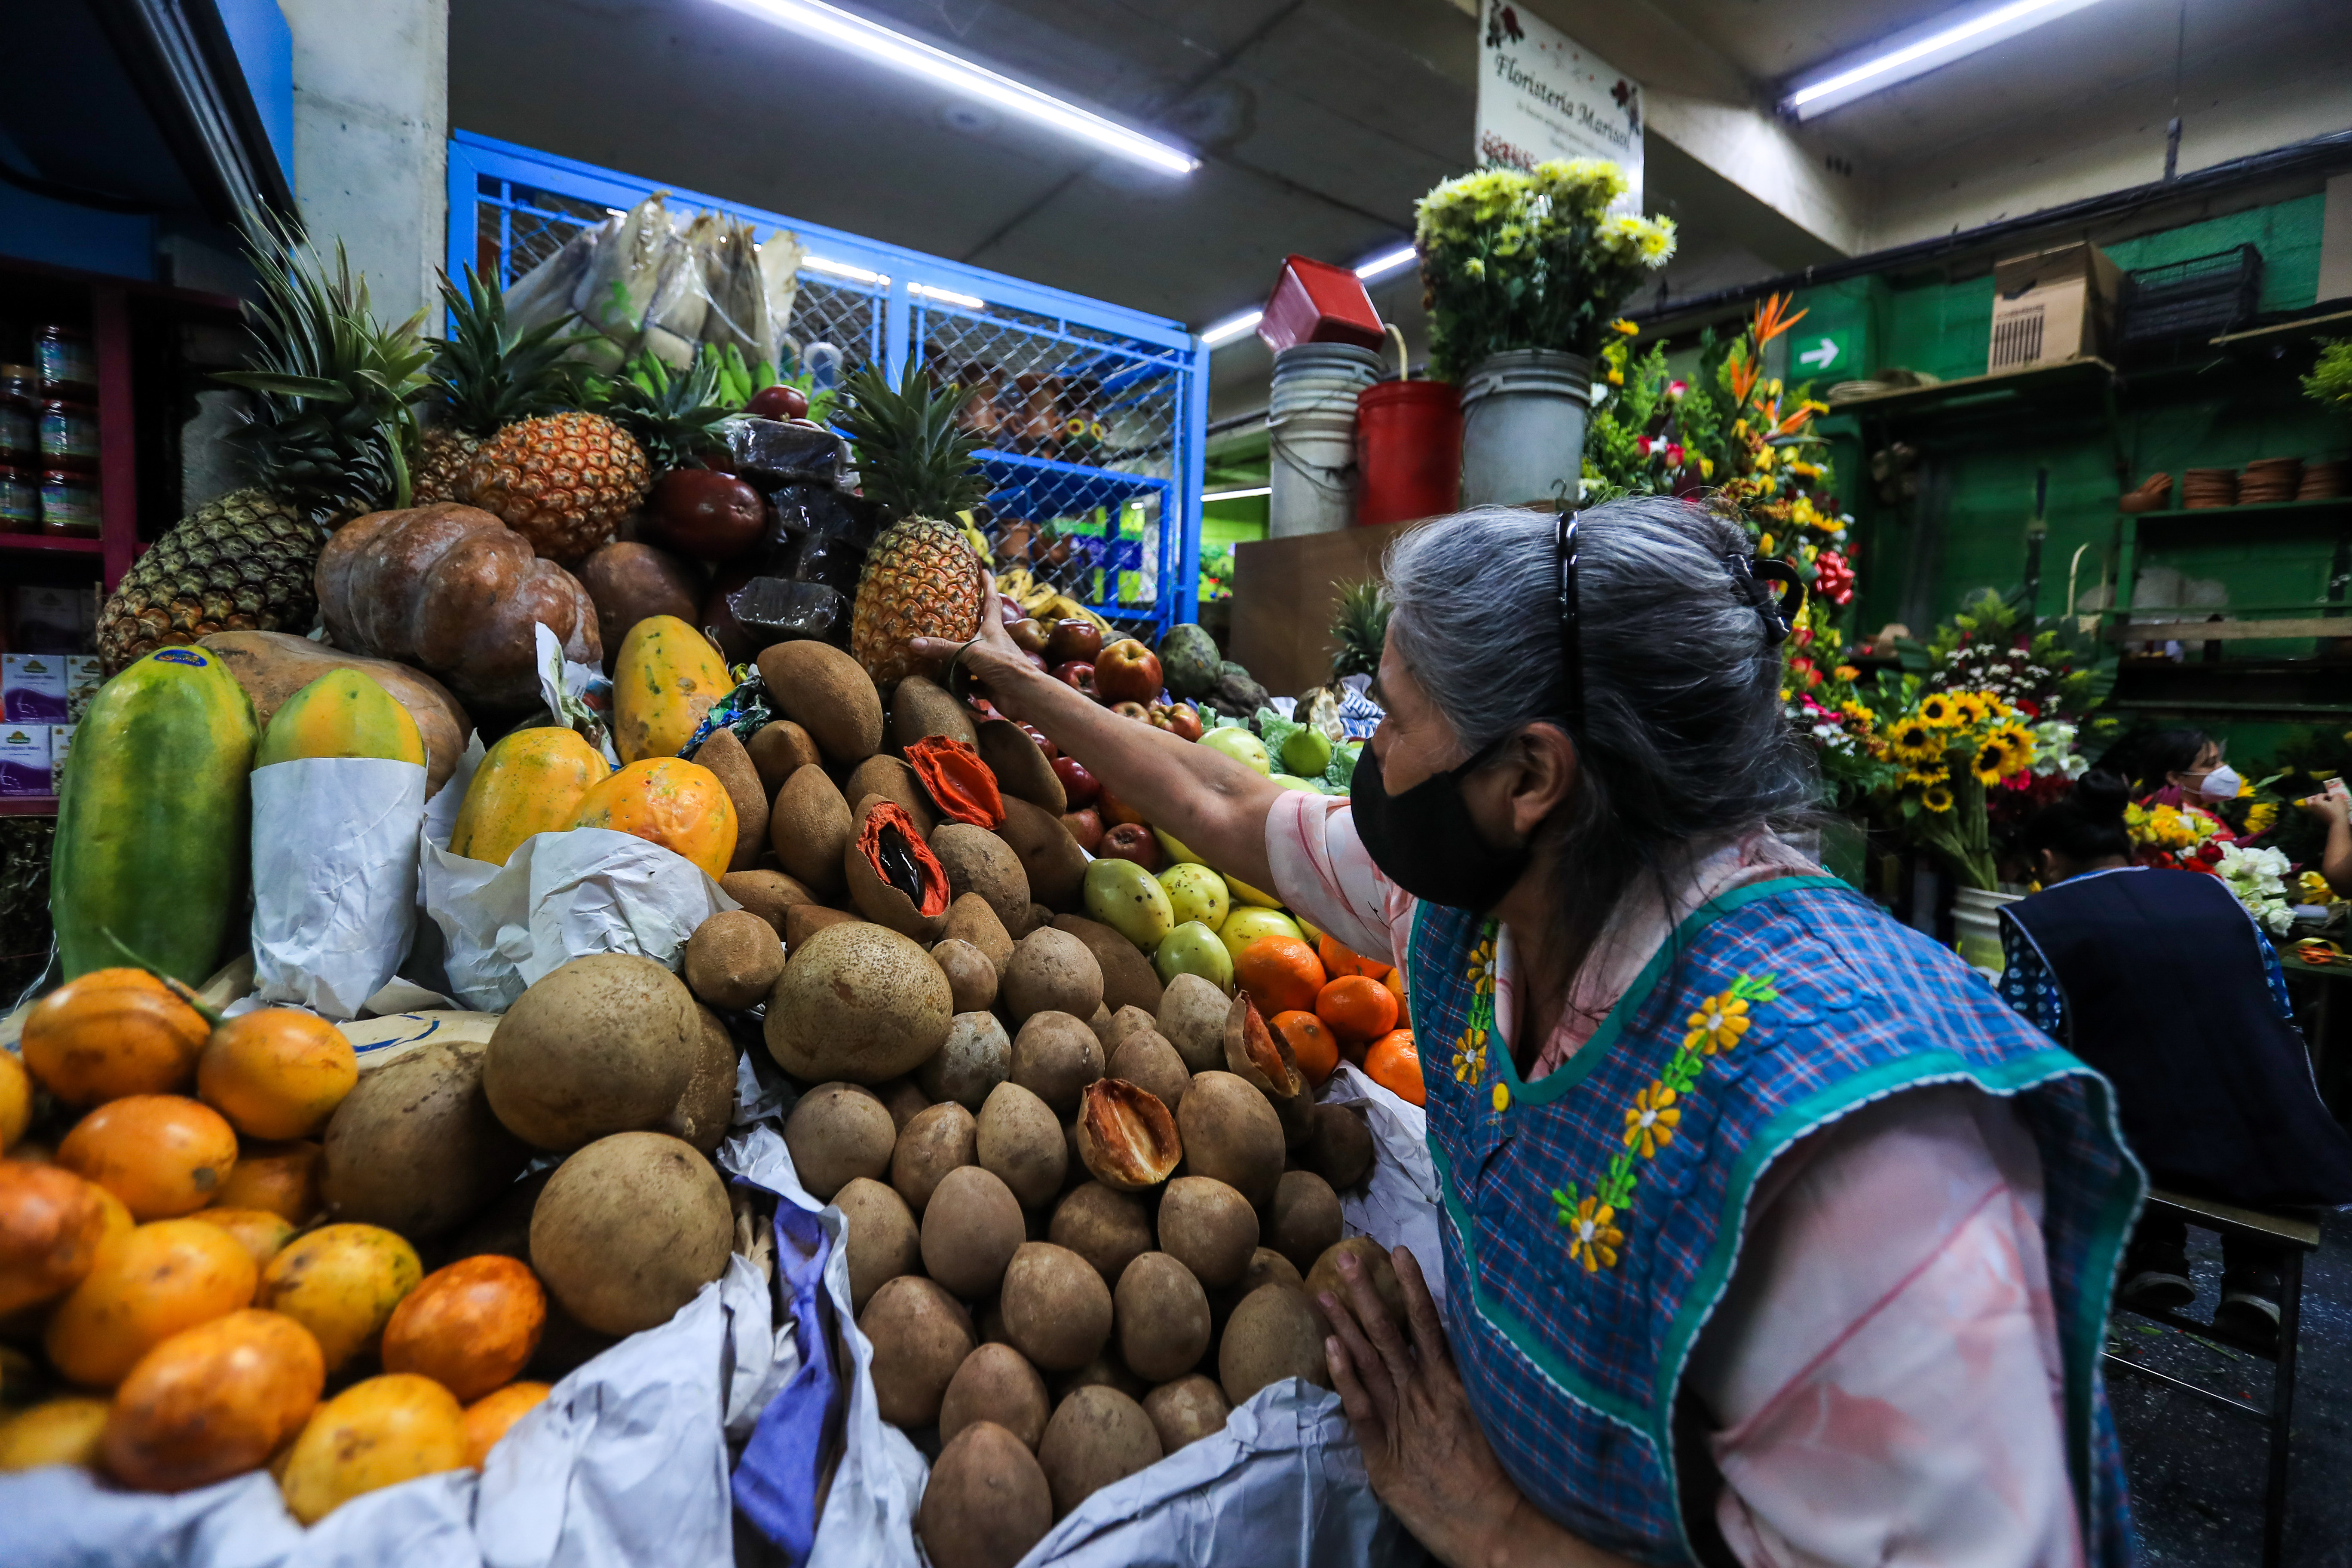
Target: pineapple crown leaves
point(911, 455)
point(486, 374)
point(1360, 622)
point(332, 385)
point(674, 413)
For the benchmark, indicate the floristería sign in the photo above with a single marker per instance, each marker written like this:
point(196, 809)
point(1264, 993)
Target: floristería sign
point(1543, 97)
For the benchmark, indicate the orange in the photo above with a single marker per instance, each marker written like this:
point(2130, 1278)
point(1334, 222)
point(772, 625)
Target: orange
point(280, 1177)
point(1394, 981)
point(1281, 974)
point(1338, 960)
point(1356, 1008)
point(469, 1327)
point(378, 1433)
point(16, 1098)
point(1395, 1066)
point(487, 1418)
point(145, 1287)
point(259, 1231)
point(213, 1402)
point(1310, 1043)
point(52, 1225)
point(277, 1073)
point(110, 1033)
point(340, 1282)
point(163, 1155)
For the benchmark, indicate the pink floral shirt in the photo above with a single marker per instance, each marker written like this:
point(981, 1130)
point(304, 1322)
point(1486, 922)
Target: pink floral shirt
point(1883, 1373)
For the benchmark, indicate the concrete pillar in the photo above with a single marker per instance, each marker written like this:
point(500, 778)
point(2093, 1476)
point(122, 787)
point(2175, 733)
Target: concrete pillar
point(370, 138)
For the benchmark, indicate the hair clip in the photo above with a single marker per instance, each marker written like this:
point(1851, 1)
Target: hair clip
point(1779, 612)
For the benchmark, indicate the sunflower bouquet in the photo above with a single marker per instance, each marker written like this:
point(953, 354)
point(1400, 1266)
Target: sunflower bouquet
point(1954, 748)
point(1532, 258)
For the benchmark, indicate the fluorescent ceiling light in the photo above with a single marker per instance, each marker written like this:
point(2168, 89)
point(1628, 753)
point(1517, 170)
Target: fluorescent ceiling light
point(1382, 266)
point(1918, 51)
point(947, 296)
point(844, 269)
point(919, 59)
point(1237, 495)
point(1232, 327)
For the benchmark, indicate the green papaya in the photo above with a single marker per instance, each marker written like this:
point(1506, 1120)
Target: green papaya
point(150, 850)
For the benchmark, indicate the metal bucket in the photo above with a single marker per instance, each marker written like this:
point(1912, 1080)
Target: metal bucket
point(1310, 421)
point(1523, 414)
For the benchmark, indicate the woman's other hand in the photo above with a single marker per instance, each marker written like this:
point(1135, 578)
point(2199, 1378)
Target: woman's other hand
point(2331, 809)
point(1428, 1459)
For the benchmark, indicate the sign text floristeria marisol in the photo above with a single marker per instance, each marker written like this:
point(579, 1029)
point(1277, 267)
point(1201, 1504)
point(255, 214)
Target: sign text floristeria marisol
point(1541, 96)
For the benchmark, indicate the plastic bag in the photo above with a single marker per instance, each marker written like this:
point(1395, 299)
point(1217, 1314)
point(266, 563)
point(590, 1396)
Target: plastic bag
point(334, 877)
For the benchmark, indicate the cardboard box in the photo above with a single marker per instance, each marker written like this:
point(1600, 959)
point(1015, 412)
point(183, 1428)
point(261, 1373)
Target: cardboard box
point(32, 688)
point(25, 760)
point(84, 676)
point(2053, 305)
point(52, 620)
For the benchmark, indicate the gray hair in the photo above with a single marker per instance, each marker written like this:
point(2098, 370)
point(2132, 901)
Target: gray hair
point(1683, 740)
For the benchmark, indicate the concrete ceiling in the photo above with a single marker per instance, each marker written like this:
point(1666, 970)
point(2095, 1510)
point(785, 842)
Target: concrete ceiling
point(1319, 122)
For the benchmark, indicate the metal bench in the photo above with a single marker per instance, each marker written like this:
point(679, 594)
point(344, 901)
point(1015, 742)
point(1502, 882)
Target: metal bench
point(2291, 1237)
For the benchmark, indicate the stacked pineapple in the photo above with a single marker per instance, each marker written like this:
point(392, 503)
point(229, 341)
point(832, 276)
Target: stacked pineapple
point(323, 445)
point(922, 579)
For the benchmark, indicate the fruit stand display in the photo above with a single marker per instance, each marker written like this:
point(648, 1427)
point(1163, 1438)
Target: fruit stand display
point(1086, 1121)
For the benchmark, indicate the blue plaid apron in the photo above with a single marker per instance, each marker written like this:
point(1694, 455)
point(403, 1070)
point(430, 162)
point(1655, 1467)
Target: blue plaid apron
point(1593, 1218)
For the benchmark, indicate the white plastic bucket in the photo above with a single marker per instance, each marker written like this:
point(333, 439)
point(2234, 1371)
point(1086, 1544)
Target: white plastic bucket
point(1523, 414)
point(1976, 927)
point(1311, 423)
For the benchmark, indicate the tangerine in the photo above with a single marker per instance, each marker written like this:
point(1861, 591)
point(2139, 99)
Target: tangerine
point(488, 1417)
point(52, 1226)
point(261, 1233)
point(1394, 981)
point(1394, 1064)
point(340, 1282)
point(1338, 961)
point(282, 1178)
point(277, 1073)
point(163, 1155)
point(1317, 1052)
point(16, 1098)
point(1281, 974)
point(110, 1033)
point(470, 1327)
point(213, 1402)
point(1357, 1007)
point(144, 1287)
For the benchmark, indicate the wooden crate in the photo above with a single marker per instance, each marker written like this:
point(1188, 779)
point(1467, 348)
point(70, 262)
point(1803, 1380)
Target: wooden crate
point(1284, 590)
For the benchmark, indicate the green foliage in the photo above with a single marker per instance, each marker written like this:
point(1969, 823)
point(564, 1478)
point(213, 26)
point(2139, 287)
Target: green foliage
point(2330, 380)
point(912, 456)
point(675, 414)
point(486, 374)
point(1359, 624)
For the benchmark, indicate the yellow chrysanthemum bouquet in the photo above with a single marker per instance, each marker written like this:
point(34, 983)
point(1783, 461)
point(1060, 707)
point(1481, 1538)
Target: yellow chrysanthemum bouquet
point(1515, 258)
point(1952, 747)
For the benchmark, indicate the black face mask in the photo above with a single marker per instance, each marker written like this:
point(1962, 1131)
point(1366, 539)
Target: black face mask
point(1425, 840)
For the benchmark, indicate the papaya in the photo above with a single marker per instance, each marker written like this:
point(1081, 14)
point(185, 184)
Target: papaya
point(665, 679)
point(151, 836)
point(343, 713)
point(530, 782)
point(274, 666)
point(680, 805)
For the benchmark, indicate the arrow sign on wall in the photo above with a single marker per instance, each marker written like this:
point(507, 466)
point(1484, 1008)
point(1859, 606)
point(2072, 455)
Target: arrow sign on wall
point(1821, 356)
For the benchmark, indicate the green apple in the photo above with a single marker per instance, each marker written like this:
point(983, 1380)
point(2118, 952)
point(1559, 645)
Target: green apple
point(1245, 926)
point(1124, 897)
point(1307, 753)
point(1239, 744)
point(1193, 949)
point(1197, 894)
point(1243, 893)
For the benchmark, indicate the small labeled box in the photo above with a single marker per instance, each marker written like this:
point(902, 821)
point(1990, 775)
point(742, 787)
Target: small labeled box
point(60, 747)
point(84, 676)
point(32, 688)
point(25, 760)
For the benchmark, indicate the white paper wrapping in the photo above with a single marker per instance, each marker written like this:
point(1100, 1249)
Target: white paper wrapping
point(334, 877)
point(1397, 1207)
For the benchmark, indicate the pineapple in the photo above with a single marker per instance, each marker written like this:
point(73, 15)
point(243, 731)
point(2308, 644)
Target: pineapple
point(486, 377)
point(674, 414)
point(920, 579)
point(563, 481)
point(331, 389)
point(1360, 623)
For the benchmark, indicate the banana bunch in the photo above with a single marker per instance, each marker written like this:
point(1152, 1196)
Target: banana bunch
point(1043, 601)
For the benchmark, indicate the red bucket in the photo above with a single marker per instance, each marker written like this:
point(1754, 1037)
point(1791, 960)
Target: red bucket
point(1408, 451)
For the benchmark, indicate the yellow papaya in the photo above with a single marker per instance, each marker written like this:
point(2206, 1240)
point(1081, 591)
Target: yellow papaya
point(530, 782)
point(664, 679)
point(680, 805)
point(343, 713)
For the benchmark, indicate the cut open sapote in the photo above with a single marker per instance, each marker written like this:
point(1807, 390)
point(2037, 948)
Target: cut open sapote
point(959, 783)
point(1256, 1053)
point(894, 878)
point(1126, 1137)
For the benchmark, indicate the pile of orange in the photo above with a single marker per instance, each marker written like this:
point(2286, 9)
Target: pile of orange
point(156, 1253)
point(1328, 1002)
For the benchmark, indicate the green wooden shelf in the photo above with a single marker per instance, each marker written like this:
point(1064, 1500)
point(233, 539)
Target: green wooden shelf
point(2257, 508)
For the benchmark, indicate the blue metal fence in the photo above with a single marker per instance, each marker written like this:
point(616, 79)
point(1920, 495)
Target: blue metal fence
point(1092, 416)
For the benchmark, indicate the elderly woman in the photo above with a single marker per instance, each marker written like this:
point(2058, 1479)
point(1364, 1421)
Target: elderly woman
point(1769, 1234)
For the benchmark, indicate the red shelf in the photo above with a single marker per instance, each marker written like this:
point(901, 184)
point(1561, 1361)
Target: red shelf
point(28, 806)
point(70, 543)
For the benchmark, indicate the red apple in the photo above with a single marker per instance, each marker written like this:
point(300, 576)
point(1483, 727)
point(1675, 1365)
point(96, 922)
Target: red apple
point(1027, 635)
point(1086, 827)
point(703, 513)
point(1132, 841)
point(1045, 746)
point(1115, 811)
point(1081, 786)
point(1135, 710)
point(1079, 675)
point(1036, 660)
point(1009, 610)
point(1074, 639)
point(1180, 720)
point(1127, 672)
point(778, 402)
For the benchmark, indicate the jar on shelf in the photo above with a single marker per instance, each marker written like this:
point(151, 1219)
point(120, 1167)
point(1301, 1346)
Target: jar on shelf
point(64, 364)
point(68, 434)
point(70, 502)
point(20, 499)
point(20, 418)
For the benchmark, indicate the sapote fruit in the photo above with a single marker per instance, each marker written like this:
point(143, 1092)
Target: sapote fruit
point(894, 879)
